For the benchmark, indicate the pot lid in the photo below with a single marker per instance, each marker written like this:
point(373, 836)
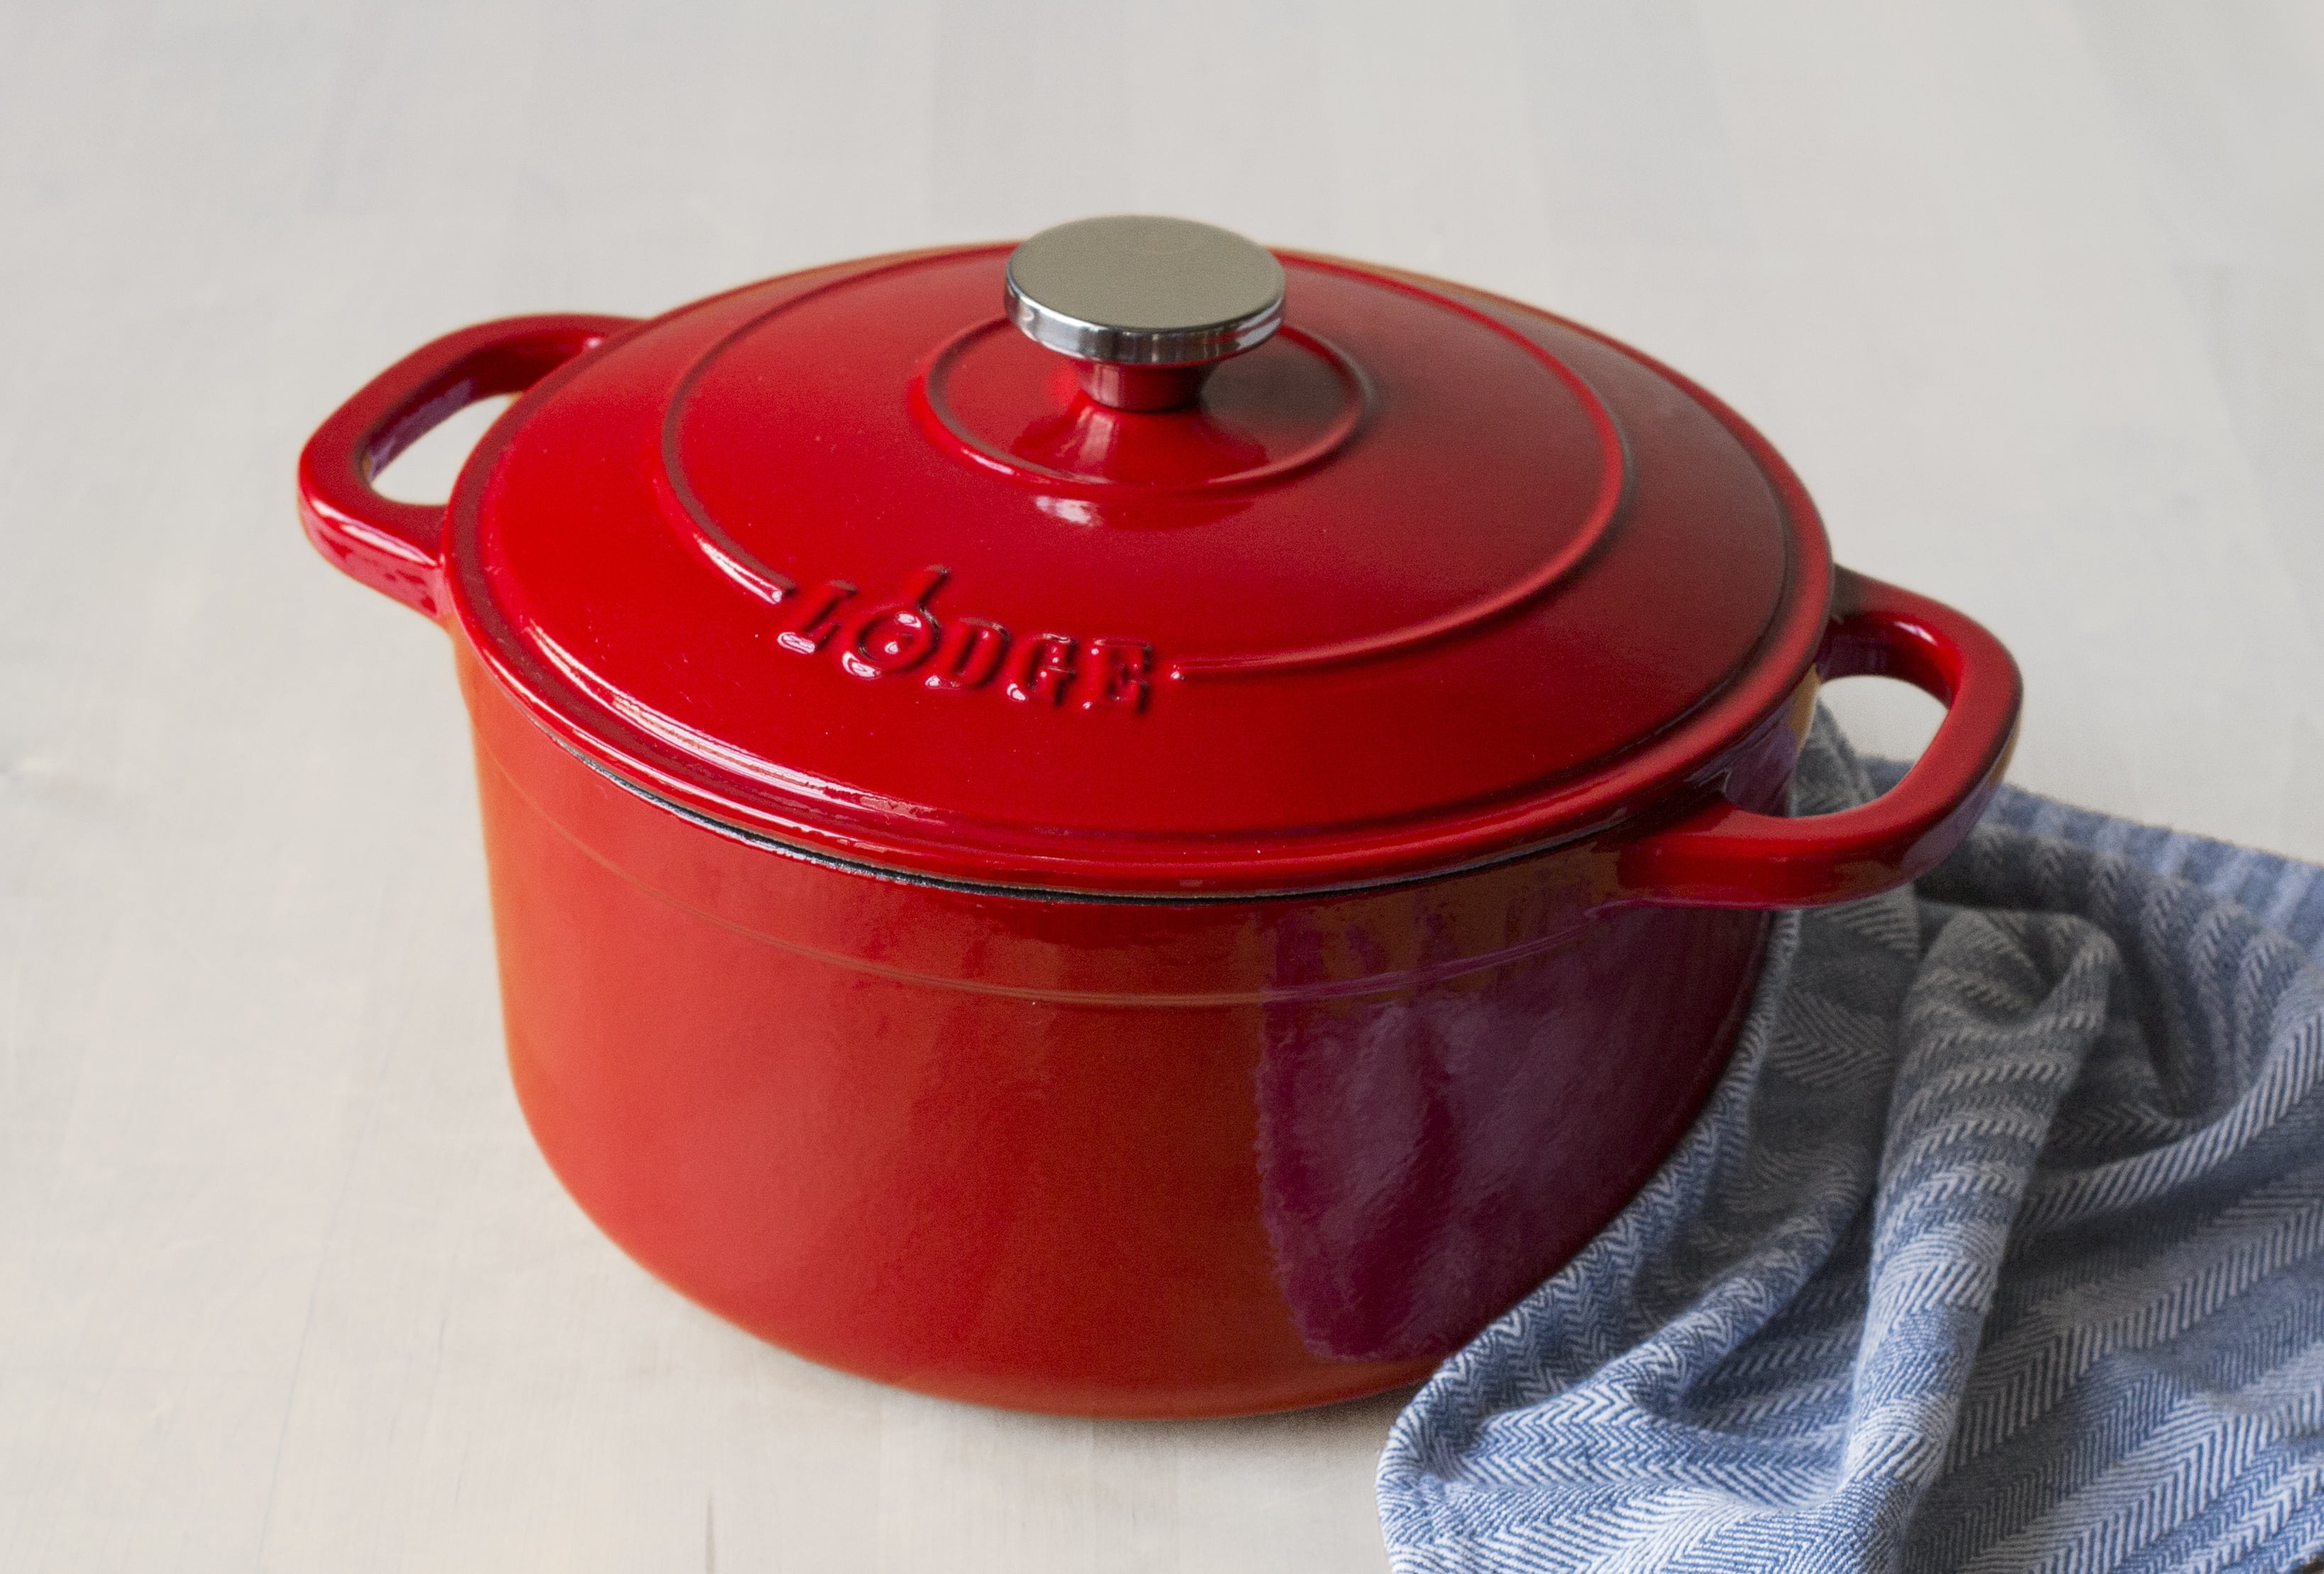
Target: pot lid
point(1138, 561)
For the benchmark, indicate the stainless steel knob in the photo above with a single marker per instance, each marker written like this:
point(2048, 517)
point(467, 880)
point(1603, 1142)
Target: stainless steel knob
point(1146, 306)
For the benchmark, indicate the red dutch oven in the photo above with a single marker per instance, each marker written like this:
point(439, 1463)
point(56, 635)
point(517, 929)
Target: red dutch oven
point(1133, 826)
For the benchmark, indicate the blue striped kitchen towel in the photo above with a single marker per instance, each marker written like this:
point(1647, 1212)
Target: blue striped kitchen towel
point(1999, 1248)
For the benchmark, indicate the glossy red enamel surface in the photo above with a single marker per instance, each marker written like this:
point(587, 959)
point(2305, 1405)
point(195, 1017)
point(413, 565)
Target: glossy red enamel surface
point(888, 584)
point(1155, 1159)
point(1163, 913)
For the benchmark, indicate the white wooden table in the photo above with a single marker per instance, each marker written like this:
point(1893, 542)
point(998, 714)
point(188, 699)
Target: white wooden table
point(2032, 293)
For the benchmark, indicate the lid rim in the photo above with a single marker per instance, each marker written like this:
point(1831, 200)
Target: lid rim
point(1376, 861)
point(1044, 893)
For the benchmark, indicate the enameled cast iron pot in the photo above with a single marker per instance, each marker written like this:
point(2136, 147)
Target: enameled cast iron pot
point(1035, 876)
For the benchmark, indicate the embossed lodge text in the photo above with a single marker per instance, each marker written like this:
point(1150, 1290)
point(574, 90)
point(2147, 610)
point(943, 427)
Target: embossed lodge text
point(904, 638)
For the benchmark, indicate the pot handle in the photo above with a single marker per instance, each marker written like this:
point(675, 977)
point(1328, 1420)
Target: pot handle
point(1729, 857)
point(396, 548)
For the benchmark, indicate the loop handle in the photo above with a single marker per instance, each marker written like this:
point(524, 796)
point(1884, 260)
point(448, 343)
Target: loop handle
point(396, 548)
point(1729, 856)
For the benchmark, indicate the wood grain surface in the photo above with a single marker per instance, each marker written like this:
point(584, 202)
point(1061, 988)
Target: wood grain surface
point(2032, 293)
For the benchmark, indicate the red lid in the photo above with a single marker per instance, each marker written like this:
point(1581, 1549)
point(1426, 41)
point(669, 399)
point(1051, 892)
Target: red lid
point(846, 560)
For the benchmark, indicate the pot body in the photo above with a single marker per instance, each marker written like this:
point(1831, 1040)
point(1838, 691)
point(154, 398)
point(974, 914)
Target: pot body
point(1124, 1056)
point(1156, 1159)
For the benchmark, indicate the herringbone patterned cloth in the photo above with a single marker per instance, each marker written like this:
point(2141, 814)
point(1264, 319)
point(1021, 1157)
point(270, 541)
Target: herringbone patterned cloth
point(2000, 1248)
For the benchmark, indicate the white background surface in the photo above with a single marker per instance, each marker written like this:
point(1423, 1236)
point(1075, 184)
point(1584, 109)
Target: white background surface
point(2030, 293)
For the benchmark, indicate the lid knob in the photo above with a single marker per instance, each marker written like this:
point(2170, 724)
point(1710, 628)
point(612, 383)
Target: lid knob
point(1146, 306)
